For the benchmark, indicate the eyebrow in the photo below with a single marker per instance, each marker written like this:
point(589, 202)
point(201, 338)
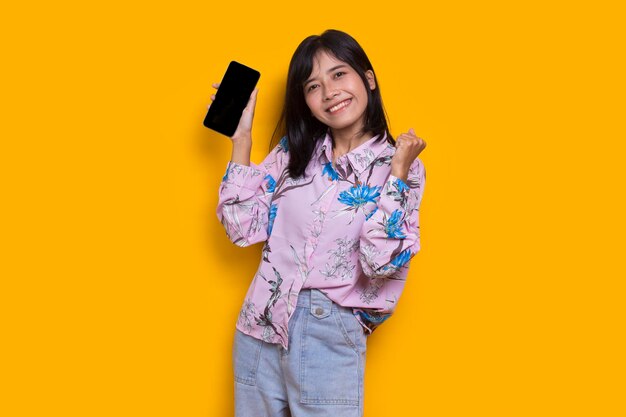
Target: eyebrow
point(327, 72)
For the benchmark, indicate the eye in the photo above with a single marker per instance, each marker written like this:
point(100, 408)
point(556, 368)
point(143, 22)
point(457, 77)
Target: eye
point(339, 73)
point(311, 87)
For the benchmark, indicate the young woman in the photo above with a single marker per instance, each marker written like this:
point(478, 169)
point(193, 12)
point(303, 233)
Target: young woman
point(336, 202)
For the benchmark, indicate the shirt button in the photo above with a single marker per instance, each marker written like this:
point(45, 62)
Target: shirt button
point(319, 311)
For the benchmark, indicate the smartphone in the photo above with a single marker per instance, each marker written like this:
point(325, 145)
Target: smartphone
point(231, 98)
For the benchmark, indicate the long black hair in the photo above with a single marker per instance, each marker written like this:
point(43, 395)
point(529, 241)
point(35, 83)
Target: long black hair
point(302, 129)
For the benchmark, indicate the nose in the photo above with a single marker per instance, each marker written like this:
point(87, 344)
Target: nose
point(330, 94)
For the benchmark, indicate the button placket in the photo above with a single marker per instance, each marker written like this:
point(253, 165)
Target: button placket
point(322, 205)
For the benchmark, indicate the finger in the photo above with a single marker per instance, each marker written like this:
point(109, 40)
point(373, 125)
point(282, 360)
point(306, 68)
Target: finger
point(216, 85)
point(412, 132)
point(408, 135)
point(212, 97)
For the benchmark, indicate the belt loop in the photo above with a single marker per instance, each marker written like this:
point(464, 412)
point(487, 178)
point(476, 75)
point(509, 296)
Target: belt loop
point(320, 304)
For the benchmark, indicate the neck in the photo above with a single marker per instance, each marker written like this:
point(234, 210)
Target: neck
point(346, 141)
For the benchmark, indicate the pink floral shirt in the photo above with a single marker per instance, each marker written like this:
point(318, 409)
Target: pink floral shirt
point(348, 230)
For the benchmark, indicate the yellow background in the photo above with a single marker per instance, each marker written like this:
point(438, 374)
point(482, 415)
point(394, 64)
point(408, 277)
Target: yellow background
point(120, 289)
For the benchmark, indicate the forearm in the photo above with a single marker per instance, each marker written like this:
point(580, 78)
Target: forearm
point(390, 234)
point(241, 151)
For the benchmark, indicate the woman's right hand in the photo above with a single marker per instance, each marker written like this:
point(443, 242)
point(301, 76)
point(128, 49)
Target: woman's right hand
point(244, 128)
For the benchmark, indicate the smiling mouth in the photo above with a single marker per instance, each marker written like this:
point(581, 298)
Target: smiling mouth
point(339, 106)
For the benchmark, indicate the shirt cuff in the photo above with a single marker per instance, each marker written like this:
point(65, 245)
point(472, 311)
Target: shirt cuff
point(397, 194)
point(395, 187)
point(393, 179)
point(244, 176)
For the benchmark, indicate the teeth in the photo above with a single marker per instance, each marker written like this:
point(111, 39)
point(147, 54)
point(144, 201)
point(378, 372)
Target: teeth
point(339, 106)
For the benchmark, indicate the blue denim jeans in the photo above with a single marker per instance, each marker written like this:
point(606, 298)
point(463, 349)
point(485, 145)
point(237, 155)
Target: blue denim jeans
point(320, 375)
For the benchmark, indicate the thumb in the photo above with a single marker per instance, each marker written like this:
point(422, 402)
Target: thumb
point(411, 131)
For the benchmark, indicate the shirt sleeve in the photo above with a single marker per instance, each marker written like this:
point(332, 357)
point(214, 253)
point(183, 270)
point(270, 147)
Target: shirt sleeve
point(390, 236)
point(244, 204)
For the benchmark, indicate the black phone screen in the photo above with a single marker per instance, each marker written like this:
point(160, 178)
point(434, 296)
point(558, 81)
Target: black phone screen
point(231, 98)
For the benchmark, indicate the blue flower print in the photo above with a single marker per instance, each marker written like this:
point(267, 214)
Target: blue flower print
point(402, 258)
point(225, 177)
point(373, 319)
point(283, 145)
point(330, 171)
point(398, 191)
point(393, 225)
point(359, 195)
point(371, 213)
point(271, 183)
point(270, 224)
point(400, 185)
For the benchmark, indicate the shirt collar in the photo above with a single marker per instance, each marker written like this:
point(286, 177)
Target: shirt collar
point(360, 158)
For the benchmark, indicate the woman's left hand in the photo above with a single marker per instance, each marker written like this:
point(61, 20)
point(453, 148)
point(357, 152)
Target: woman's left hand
point(408, 147)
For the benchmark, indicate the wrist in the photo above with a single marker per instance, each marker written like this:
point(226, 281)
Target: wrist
point(242, 139)
point(241, 153)
point(400, 172)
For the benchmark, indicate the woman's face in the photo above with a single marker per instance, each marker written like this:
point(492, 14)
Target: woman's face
point(336, 95)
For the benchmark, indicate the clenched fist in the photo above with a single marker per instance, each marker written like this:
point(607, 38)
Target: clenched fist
point(408, 146)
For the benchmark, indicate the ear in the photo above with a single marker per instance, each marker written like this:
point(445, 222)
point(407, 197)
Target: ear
point(369, 74)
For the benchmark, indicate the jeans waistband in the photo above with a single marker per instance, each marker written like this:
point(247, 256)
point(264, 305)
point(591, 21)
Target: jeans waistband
point(319, 303)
